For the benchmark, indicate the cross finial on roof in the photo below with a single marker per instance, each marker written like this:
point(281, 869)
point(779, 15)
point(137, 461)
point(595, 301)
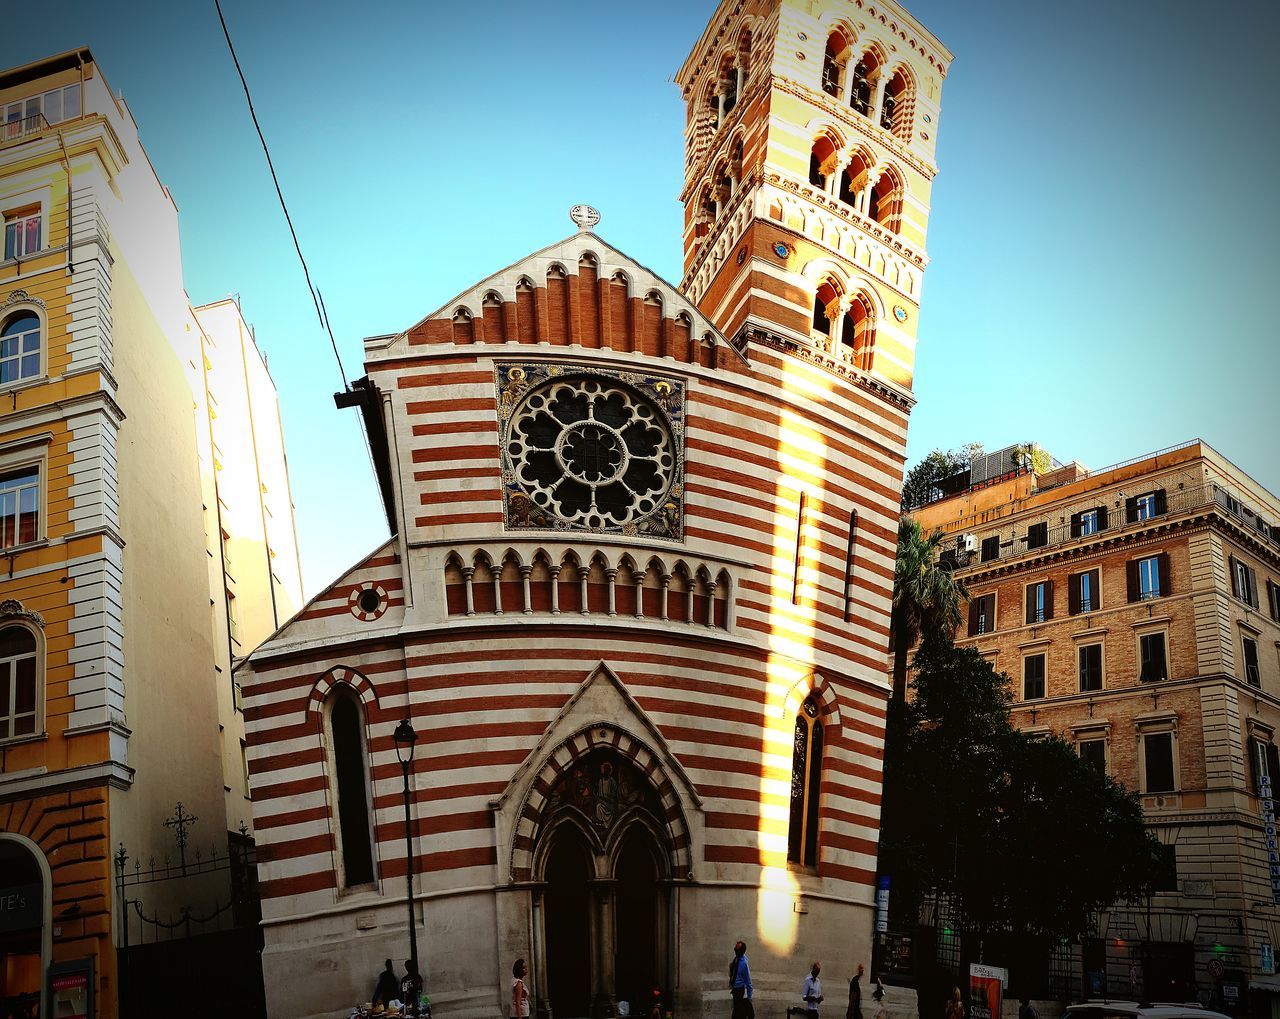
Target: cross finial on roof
point(585, 216)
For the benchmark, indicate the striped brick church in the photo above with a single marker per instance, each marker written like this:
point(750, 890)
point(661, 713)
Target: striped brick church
point(636, 606)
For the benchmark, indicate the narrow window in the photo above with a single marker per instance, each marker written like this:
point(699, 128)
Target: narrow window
point(1040, 601)
point(1151, 653)
point(21, 235)
point(20, 348)
point(860, 89)
point(1166, 876)
point(848, 560)
point(1093, 752)
point(1244, 582)
point(1090, 668)
point(244, 766)
point(18, 693)
point(1032, 677)
point(1273, 599)
point(1084, 591)
point(233, 617)
point(1264, 762)
point(831, 67)
point(1149, 578)
point(806, 783)
point(349, 760)
point(1088, 523)
point(991, 548)
point(1157, 752)
point(982, 615)
point(1251, 674)
point(19, 506)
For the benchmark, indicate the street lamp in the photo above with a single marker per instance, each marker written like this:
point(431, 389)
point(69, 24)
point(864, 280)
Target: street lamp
point(405, 738)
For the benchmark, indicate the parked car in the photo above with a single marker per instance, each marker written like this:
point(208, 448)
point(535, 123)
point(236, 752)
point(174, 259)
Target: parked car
point(1099, 1009)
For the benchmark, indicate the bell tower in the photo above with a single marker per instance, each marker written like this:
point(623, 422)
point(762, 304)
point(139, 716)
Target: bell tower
point(809, 156)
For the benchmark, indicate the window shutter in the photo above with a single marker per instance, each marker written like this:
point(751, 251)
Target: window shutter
point(1102, 518)
point(1031, 603)
point(1253, 589)
point(1131, 509)
point(1096, 589)
point(1235, 578)
point(975, 607)
point(1131, 567)
point(1073, 594)
point(1048, 599)
point(1166, 579)
point(1273, 597)
point(1162, 502)
point(1251, 748)
point(1075, 525)
point(1273, 765)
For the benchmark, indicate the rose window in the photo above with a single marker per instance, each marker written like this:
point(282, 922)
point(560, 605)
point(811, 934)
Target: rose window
point(591, 451)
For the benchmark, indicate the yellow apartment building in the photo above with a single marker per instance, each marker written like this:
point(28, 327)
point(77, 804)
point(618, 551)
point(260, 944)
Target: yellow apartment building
point(1137, 611)
point(130, 472)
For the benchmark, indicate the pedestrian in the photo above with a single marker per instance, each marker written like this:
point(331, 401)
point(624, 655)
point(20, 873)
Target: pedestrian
point(387, 987)
point(882, 1007)
point(410, 987)
point(740, 983)
point(1026, 1010)
point(854, 1011)
point(955, 1007)
point(811, 992)
point(519, 991)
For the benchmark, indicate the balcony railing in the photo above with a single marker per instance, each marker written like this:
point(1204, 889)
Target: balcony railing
point(16, 130)
point(1178, 502)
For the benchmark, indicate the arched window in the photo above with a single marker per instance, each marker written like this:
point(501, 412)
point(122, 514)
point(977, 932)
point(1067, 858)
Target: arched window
point(894, 109)
point(351, 781)
point(884, 204)
point(821, 159)
point(20, 347)
point(860, 88)
point(831, 66)
point(19, 695)
point(854, 179)
point(857, 334)
point(806, 781)
point(823, 302)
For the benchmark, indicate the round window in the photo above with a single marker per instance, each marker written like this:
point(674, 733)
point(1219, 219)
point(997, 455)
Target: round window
point(591, 451)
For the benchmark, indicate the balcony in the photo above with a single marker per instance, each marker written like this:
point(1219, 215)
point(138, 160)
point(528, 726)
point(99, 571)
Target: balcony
point(15, 131)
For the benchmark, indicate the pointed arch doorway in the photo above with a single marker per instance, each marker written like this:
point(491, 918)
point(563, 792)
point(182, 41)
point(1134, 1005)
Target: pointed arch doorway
point(604, 859)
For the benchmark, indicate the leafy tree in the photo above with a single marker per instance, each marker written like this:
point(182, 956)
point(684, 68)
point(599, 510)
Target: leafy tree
point(921, 481)
point(1024, 836)
point(926, 597)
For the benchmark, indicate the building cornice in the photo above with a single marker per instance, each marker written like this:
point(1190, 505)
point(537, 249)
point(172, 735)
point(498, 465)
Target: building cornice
point(38, 782)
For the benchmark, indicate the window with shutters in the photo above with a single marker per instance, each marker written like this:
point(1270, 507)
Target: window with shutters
point(806, 782)
point(1244, 582)
point(1090, 667)
point(1152, 661)
point(1264, 762)
point(1273, 599)
point(982, 615)
point(1148, 506)
point(1040, 601)
point(1093, 752)
point(1033, 673)
point(1158, 765)
point(1038, 535)
point(991, 548)
point(1085, 590)
point(1088, 523)
point(1252, 676)
point(350, 781)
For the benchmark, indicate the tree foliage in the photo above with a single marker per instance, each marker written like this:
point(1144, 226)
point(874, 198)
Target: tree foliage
point(926, 597)
point(921, 481)
point(1023, 835)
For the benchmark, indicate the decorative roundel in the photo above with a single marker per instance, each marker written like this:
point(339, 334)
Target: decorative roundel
point(591, 451)
point(799, 55)
point(368, 601)
point(742, 255)
point(927, 119)
point(924, 135)
point(781, 250)
point(900, 313)
point(802, 36)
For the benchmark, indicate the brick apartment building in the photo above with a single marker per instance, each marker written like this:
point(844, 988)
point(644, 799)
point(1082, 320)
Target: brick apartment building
point(1137, 612)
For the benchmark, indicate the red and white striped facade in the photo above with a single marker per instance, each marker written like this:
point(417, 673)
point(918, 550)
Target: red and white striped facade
point(519, 651)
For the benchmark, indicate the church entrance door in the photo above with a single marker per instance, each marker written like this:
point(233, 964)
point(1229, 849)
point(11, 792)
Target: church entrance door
point(639, 917)
point(568, 925)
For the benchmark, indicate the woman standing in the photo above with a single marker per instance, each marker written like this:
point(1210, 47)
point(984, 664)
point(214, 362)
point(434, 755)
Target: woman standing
point(955, 1007)
point(519, 991)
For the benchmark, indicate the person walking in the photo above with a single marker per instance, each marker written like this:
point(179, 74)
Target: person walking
point(882, 1006)
point(955, 1007)
point(740, 983)
point(1026, 1010)
point(854, 1011)
point(519, 991)
point(811, 991)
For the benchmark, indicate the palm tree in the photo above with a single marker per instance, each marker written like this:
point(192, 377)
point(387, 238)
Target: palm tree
point(926, 597)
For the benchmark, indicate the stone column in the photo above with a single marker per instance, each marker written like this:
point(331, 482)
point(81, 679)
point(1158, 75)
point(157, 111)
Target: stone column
point(877, 97)
point(603, 948)
point(468, 573)
point(555, 590)
point(525, 572)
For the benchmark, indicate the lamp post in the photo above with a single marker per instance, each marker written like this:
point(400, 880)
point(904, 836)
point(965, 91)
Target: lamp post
point(405, 738)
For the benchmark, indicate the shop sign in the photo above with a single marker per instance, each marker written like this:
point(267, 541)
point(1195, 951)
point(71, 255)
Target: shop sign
point(21, 907)
point(71, 989)
point(1269, 827)
point(986, 990)
point(882, 904)
point(1266, 959)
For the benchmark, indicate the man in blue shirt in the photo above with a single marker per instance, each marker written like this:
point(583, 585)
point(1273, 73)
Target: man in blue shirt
point(811, 993)
point(740, 983)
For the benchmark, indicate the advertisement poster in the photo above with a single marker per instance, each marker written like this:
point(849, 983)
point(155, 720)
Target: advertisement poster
point(986, 990)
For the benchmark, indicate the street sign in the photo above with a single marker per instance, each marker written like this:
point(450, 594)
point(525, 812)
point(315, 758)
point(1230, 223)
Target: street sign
point(1216, 969)
point(1266, 958)
point(882, 904)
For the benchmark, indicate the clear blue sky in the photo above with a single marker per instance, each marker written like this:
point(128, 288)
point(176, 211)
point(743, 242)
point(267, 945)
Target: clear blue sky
point(1102, 234)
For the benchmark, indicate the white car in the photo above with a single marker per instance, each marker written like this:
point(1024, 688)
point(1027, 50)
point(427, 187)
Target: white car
point(1098, 1009)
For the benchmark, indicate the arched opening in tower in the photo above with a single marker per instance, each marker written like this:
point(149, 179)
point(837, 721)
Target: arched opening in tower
point(823, 302)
